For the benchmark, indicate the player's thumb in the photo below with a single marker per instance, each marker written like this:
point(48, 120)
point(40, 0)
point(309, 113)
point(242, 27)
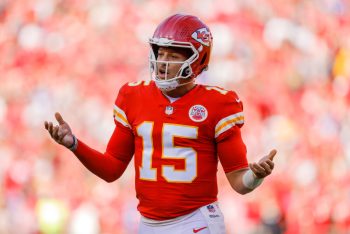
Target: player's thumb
point(59, 118)
point(272, 154)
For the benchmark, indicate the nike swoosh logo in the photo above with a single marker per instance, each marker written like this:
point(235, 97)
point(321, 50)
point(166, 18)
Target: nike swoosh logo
point(198, 230)
point(238, 100)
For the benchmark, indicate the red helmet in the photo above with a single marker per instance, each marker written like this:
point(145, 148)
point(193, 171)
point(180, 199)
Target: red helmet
point(185, 31)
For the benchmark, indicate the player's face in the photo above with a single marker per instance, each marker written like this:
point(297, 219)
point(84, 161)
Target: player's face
point(170, 70)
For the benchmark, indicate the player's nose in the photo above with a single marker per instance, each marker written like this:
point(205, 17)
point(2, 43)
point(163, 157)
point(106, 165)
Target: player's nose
point(162, 65)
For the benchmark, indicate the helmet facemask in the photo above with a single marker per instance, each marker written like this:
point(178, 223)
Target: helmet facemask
point(185, 71)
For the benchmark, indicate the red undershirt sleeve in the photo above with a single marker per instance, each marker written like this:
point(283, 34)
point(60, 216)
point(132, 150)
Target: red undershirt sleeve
point(109, 165)
point(232, 150)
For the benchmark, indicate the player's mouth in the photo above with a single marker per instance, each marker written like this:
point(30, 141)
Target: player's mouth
point(162, 74)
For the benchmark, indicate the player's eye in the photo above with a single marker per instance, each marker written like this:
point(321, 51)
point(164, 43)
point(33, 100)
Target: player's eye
point(175, 56)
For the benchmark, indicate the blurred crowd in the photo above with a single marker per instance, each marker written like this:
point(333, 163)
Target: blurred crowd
point(288, 60)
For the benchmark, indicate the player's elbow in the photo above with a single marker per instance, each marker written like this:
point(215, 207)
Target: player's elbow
point(238, 188)
point(243, 191)
point(110, 178)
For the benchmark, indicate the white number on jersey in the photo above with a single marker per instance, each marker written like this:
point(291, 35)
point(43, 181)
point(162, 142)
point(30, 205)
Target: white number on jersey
point(169, 151)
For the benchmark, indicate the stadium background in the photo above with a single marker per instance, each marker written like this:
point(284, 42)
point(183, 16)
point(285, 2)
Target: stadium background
point(288, 60)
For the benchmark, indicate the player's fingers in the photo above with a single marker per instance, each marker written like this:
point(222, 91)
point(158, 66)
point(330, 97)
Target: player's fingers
point(46, 124)
point(271, 164)
point(59, 118)
point(54, 133)
point(257, 169)
point(272, 154)
point(266, 167)
point(50, 128)
point(256, 172)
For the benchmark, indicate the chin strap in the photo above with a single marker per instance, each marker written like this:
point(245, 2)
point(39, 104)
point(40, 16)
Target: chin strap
point(166, 85)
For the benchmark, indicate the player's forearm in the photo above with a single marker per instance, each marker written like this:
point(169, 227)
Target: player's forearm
point(104, 166)
point(242, 181)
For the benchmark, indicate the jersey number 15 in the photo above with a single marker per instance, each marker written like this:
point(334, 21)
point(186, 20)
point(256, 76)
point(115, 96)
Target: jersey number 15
point(169, 151)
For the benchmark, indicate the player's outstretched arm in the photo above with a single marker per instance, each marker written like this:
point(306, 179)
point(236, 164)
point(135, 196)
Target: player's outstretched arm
point(108, 166)
point(246, 180)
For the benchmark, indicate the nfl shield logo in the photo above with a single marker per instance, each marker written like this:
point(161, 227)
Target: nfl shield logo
point(198, 113)
point(169, 110)
point(211, 208)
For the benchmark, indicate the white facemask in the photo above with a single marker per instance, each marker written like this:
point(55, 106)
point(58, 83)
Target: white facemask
point(185, 71)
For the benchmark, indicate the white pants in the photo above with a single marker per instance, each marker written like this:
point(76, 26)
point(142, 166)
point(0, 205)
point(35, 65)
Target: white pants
point(205, 220)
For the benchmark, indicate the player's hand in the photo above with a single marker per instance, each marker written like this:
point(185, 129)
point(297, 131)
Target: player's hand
point(61, 133)
point(265, 165)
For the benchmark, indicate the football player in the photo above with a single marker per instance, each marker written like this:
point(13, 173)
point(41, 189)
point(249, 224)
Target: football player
point(177, 131)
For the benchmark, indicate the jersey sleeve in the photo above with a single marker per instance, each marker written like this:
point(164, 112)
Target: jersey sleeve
point(231, 149)
point(120, 109)
point(121, 144)
point(229, 117)
point(112, 164)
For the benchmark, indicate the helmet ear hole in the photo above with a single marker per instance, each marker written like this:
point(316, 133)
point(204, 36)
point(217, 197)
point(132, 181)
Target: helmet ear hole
point(186, 72)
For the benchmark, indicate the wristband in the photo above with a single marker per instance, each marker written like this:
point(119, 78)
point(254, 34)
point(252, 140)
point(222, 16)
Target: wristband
point(250, 180)
point(74, 146)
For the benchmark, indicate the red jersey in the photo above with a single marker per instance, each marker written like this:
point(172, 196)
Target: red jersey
point(177, 145)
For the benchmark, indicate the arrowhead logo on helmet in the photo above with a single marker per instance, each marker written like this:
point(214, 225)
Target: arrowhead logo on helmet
point(202, 35)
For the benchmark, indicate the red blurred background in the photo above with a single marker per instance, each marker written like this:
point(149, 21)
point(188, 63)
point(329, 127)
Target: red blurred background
point(288, 60)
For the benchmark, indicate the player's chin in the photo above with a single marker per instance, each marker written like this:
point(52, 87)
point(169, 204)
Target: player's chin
point(163, 76)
